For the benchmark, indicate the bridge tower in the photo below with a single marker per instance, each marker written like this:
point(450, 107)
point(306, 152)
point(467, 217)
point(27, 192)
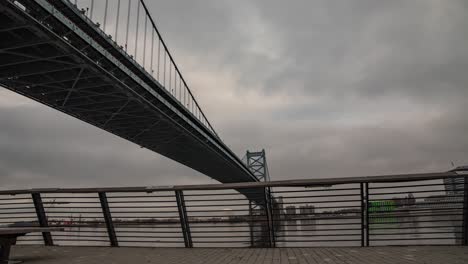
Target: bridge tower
point(261, 234)
point(257, 164)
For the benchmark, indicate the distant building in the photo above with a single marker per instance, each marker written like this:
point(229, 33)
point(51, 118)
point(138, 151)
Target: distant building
point(290, 210)
point(455, 186)
point(307, 210)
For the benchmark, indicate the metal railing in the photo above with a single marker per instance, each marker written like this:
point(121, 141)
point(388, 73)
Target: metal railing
point(418, 209)
point(130, 25)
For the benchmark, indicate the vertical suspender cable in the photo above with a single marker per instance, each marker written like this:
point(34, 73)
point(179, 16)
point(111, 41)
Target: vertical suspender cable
point(152, 48)
point(117, 21)
point(105, 16)
point(144, 41)
point(91, 11)
point(128, 23)
point(159, 54)
point(137, 26)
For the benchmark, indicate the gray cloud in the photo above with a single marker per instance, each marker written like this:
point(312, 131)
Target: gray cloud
point(329, 88)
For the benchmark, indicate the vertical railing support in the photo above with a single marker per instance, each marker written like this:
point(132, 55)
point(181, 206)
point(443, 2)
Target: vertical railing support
point(108, 218)
point(465, 211)
point(363, 208)
point(251, 225)
point(184, 223)
point(269, 216)
point(367, 203)
point(42, 218)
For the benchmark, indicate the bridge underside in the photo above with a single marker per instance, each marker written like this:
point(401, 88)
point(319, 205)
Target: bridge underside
point(44, 59)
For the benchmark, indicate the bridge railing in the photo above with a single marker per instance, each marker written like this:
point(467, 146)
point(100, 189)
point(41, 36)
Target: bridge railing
point(130, 25)
point(423, 209)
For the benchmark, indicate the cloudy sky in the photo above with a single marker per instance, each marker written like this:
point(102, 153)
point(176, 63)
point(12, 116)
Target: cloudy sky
point(328, 88)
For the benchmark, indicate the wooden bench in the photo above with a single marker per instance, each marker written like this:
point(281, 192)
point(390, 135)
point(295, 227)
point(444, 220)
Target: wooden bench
point(9, 235)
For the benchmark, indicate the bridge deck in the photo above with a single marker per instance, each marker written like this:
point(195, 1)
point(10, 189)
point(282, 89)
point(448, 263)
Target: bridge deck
point(52, 255)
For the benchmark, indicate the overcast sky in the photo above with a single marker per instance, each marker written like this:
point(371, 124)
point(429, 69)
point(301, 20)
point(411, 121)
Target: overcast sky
point(329, 88)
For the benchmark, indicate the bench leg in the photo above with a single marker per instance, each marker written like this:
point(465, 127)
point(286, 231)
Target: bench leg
point(5, 246)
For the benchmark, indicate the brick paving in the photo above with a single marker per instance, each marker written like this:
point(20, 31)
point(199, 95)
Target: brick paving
point(124, 255)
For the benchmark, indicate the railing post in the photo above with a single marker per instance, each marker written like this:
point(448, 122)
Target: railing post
point(108, 218)
point(363, 208)
point(183, 218)
point(465, 211)
point(367, 203)
point(42, 218)
point(268, 213)
point(251, 224)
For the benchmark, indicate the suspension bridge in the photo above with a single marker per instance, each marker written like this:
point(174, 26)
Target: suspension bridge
point(105, 62)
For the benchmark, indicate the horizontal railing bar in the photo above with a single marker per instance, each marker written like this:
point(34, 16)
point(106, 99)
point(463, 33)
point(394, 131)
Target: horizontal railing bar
point(331, 201)
point(17, 208)
point(2, 204)
point(141, 196)
point(412, 238)
point(1, 213)
point(144, 217)
point(413, 192)
point(286, 183)
point(316, 240)
point(144, 212)
point(410, 186)
point(222, 241)
point(80, 231)
point(403, 210)
point(415, 227)
point(397, 199)
point(220, 210)
point(14, 198)
point(80, 240)
point(159, 201)
point(217, 226)
point(72, 212)
point(328, 207)
point(142, 207)
point(19, 217)
point(119, 226)
point(212, 205)
point(321, 213)
point(422, 221)
point(328, 229)
point(150, 232)
point(324, 235)
point(69, 197)
point(122, 236)
point(194, 237)
point(413, 233)
point(149, 241)
point(323, 224)
point(421, 215)
point(320, 218)
point(220, 200)
point(74, 207)
point(320, 196)
point(227, 231)
point(80, 235)
point(313, 190)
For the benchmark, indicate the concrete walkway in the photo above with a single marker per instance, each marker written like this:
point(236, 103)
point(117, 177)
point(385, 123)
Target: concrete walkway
point(371, 255)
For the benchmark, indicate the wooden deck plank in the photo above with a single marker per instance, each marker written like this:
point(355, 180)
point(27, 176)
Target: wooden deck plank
point(371, 255)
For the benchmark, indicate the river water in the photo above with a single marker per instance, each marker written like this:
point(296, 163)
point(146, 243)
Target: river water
point(407, 230)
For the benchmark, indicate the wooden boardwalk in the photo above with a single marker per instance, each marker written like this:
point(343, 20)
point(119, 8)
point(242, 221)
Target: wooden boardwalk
point(371, 255)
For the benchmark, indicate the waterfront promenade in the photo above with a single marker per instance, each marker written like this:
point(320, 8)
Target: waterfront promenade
point(350, 255)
